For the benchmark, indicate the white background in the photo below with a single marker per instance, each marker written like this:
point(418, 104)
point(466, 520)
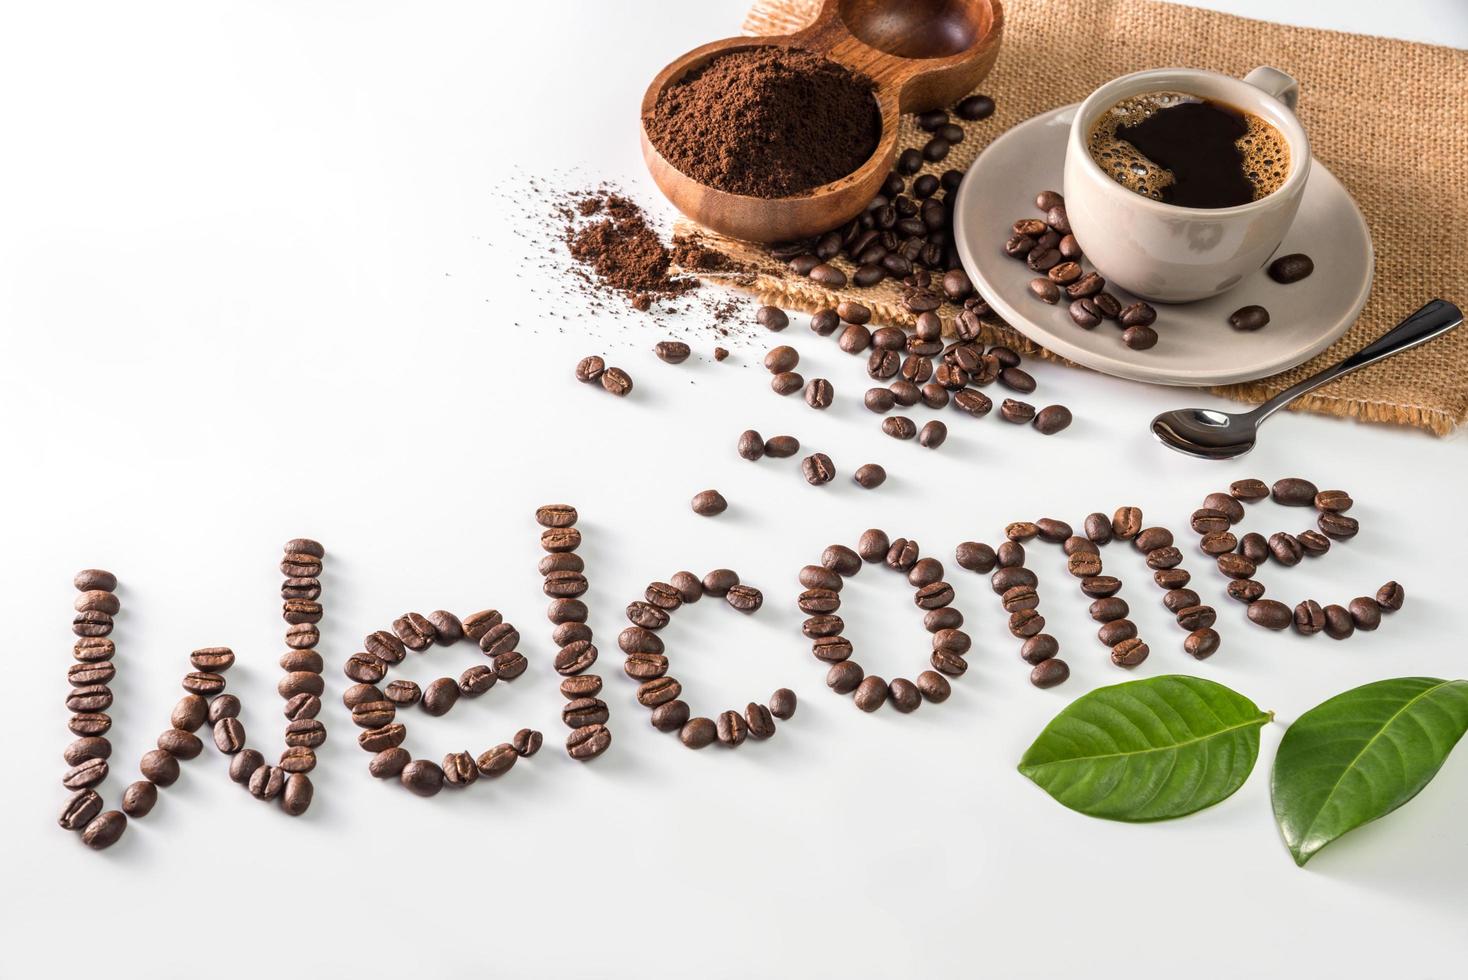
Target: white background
point(259, 278)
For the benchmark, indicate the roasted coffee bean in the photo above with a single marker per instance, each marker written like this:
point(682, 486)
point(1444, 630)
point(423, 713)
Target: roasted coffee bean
point(925, 571)
point(460, 769)
point(1196, 617)
point(1152, 538)
point(359, 693)
point(1129, 653)
point(1161, 558)
point(301, 611)
point(934, 596)
point(97, 600)
point(619, 383)
point(781, 447)
point(1236, 566)
point(759, 721)
point(1084, 564)
point(243, 765)
point(93, 649)
point(672, 351)
point(819, 601)
point(1270, 613)
point(385, 646)
point(441, 696)
point(302, 706)
point(873, 545)
point(1016, 379)
point(1116, 631)
point(302, 636)
point(297, 759)
point(1365, 613)
point(85, 774)
point(588, 711)
point(295, 798)
point(1338, 526)
point(744, 598)
point(1100, 586)
point(1294, 492)
point(883, 364)
point(89, 723)
point(386, 737)
point(818, 469)
point(1226, 505)
point(843, 677)
point(503, 637)
point(1138, 314)
point(89, 747)
point(1064, 273)
point(719, 581)
point(1049, 673)
point(871, 693)
point(879, 400)
point(1126, 522)
point(731, 728)
point(95, 697)
point(1019, 246)
point(1337, 501)
point(306, 732)
point(1011, 554)
point(229, 735)
point(1016, 411)
point(309, 661)
point(1249, 318)
point(1052, 419)
point(416, 632)
point(180, 744)
point(1084, 313)
point(1217, 542)
point(104, 830)
point(905, 393)
point(1172, 578)
point(138, 799)
point(1176, 600)
point(203, 682)
point(91, 624)
point(479, 623)
point(421, 777)
point(1285, 548)
point(708, 503)
point(560, 539)
point(1008, 578)
point(375, 714)
point(1045, 290)
point(933, 434)
point(1309, 618)
point(300, 682)
point(1245, 590)
point(819, 393)
point(1106, 609)
point(590, 369)
point(1206, 520)
point(80, 810)
point(870, 476)
point(510, 665)
point(451, 630)
point(1249, 489)
point(1339, 624)
point(555, 515)
point(1085, 288)
point(94, 579)
point(1291, 268)
point(902, 554)
point(975, 556)
point(1019, 597)
point(1391, 596)
point(1139, 338)
point(300, 564)
point(975, 403)
point(1254, 547)
point(581, 686)
point(159, 767)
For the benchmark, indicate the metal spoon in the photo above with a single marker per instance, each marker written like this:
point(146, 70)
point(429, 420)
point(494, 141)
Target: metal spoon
point(1207, 434)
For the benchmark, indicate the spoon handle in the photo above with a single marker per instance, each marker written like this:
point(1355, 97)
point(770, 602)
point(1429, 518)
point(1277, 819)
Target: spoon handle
point(1437, 317)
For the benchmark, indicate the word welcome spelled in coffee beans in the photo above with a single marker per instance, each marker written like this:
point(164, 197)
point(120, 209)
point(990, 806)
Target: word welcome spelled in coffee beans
point(662, 694)
point(375, 702)
point(1049, 249)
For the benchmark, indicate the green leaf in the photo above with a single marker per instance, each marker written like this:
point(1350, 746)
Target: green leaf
point(1152, 749)
point(1361, 755)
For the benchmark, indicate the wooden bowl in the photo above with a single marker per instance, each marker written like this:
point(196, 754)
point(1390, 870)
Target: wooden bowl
point(919, 54)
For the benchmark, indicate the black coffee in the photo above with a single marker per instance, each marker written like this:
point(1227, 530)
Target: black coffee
point(1186, 150)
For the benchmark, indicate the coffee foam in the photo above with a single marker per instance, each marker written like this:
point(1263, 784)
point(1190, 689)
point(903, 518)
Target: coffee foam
point(1266, 154)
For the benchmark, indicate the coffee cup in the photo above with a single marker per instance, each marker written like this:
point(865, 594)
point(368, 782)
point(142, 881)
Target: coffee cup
point(1163, 251)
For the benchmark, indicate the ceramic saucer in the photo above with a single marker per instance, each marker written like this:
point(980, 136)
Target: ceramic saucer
point(1196, 346)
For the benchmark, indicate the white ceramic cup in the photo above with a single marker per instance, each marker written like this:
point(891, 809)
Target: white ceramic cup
point(1173, 254)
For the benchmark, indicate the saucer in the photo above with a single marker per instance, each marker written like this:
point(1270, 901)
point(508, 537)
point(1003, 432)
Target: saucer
point(1196, 345)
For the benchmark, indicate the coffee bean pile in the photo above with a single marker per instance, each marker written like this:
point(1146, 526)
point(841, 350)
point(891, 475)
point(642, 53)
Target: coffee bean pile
point(564, 581)
point(593, 368)
point(374, 710)
point(300, 688)
point(920, 368)
point(821, 602)
point(905, 233)
point(647, 663)
point(91, 696)
point(1048, 248)
point(1239, 558)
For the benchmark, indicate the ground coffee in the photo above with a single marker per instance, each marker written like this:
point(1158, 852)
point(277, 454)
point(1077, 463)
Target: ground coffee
point(622, 250)
point(766, 122)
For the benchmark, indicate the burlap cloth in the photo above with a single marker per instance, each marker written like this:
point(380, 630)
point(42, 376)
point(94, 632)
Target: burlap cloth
point(1389, 118)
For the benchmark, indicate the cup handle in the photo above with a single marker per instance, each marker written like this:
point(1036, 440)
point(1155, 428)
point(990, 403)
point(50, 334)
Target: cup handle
point(1277, 84)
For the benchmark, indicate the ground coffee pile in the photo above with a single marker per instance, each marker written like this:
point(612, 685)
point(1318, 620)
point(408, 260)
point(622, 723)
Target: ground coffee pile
point(615, 242)
point(766, 122)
